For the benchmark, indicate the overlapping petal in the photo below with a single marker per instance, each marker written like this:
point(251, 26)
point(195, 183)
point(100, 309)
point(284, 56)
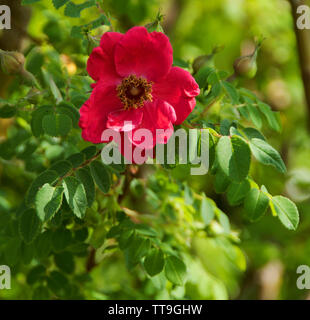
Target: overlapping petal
point(156, 115)
point(125, 120)
point(100, 64)
point(94, 113)
point(143, 54)
point(179, 89)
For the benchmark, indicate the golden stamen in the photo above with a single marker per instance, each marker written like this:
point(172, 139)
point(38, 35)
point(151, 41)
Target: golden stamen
point(134, 92)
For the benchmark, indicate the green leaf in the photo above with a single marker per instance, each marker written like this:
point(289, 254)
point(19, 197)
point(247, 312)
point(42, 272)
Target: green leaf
point(137, 249)
point(237, 191)
point(101, 175)
point(76, 159)
point(231, 91)
point(74, 10)
point(202, 75)
point(56, 125)
point(234, 157)
point(271, 116)
point(224, 221)
point(35, 274)
point(206, 210)
point(29, 225)
point(58, 284)
point(89, 152)
point(65, 262)
point(255, 204)
point(154, 262)
point(61, 167)
point(76, 196)
point(252, 133)
point(48, 201)
point(85, 177)
point(287, 212)
point(61, 239)
point(43, 244)
point(7, 112)
point(266, 154)
point(221, 182)
point(48, 176)
point(255, 116)
point(37, 117)
point(67, 109)
point(52, 85)
point(175, 270)
point(12, 251)
point(59, 3)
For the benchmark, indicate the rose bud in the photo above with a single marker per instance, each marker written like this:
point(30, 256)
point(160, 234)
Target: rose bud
point(12, 62)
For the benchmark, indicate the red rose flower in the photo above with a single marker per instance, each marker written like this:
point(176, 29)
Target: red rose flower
point(136, 83)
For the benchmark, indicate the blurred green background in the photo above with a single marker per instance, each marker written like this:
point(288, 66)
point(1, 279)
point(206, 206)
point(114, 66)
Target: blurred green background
point(195, 27)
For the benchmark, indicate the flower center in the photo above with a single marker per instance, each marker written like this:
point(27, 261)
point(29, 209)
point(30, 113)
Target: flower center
point(134, 92)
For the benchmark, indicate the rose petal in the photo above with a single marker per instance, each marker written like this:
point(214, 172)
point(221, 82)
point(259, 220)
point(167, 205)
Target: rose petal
point(94, 113)
point(100, 64)
point(179, 89)
point(125, 120)
point(156, 115)
point(143, 54)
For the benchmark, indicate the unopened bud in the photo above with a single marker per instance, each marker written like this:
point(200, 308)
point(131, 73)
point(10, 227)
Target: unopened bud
point(245, 67)
point(203, 60)
point(12, 62)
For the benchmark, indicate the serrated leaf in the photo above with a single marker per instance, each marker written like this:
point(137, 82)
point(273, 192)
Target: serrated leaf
point(74, 10)
point(231, 91)
point(175, 270)
point(29, 225)
point(59, 3)
point(76, 159)
point(287, 212)
point(85, 177)
point(61, 167)
point(266, 154)
point(65, 108)
point(221, 182)
point(89, 152)
point(237, 191)
point(48, 201)
point(252, 133)
point(271, 116)
point(37, 117)
point(255, 204)
point(234, 157)
point(137, 249)
point(48, 176)
point(154, 262)
point(56, 125)
point(52, 86)
point(101, 175)
point(43, 244)
point(255, 116)
point(206, 210)
point(76, 196)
